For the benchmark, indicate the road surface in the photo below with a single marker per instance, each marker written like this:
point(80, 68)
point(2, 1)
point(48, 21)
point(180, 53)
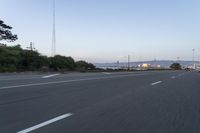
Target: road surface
point(125, 102)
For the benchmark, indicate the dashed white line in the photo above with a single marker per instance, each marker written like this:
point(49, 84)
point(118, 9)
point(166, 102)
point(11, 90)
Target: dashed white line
point(173, 77)
point(156, 83)
point(68, 81)
point(107, 73)
point(49, 76)
point(45, 123)
point(181, 74)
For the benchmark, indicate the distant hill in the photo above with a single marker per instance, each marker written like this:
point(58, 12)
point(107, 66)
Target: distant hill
point(162, 63)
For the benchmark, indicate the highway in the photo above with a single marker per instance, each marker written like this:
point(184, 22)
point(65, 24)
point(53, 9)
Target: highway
point(118, 102)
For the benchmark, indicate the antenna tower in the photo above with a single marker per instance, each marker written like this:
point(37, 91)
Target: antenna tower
point(53, 49)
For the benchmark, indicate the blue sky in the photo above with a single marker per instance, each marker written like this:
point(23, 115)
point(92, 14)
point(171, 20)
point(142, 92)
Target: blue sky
point(108, 30)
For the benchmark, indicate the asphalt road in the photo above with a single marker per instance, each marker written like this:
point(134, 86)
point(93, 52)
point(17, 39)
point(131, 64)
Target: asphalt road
point(139, 102)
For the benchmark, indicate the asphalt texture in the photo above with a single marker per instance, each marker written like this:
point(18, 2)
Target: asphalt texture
point(123, 102)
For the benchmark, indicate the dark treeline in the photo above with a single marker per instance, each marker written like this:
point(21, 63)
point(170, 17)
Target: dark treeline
point(16, 59)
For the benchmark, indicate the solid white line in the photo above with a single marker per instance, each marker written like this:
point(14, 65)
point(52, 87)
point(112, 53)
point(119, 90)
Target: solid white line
point(67, 81)
point(49, 76)
point(18, 79)
point(45, 123)
point(156, 83)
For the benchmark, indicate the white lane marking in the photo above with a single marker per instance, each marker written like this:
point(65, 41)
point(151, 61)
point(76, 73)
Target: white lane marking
point(173, 77)
point(18, 79)
point(45, 123)
point(67, 81)
point(49, 76)
point(156, 83)
point(181, 74)
point(107, 73)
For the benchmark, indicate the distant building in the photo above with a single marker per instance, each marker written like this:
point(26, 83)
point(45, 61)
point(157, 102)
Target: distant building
point(194, 66)
point(158, 66)
point(144, 65)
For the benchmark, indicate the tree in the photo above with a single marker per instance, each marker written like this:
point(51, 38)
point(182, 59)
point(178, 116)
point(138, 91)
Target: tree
point(9, 58)
point(5, 32)
point(32, 60)
point(14, 58)
point(176, 66)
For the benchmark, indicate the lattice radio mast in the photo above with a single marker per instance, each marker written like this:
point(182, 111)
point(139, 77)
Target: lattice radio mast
point(53, 49)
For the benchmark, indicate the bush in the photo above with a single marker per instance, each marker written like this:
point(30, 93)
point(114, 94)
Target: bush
point(59, 62)
point(176, 66)
point(83, 66)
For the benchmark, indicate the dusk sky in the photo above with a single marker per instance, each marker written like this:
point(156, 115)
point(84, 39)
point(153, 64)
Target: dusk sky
point(108, 30)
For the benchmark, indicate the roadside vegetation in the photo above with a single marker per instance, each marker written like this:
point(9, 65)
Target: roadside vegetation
point(17, 59)
point(176, 66)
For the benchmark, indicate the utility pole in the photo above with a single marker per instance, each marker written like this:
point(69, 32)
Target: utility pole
point(53, 49)
point(128, 62)
point(31, 47)
point(193, 50)
point(178, 58)
point(199, 60)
